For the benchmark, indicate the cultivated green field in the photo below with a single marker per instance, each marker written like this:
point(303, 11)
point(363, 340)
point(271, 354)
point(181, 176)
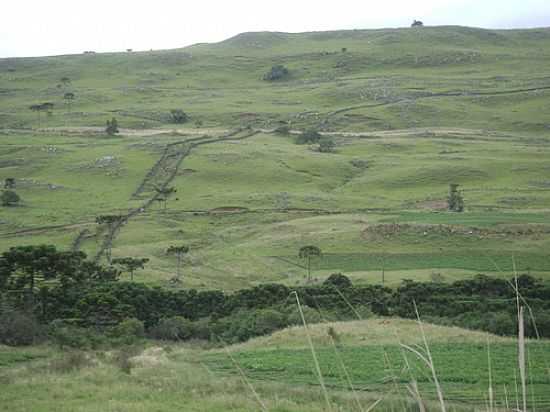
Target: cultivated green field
point(279, 371)
point(370, 355)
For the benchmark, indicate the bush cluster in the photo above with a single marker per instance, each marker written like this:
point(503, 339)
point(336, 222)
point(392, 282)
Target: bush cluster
point(86, 306)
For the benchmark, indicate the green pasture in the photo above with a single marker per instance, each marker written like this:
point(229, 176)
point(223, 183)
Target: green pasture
point(462, 370)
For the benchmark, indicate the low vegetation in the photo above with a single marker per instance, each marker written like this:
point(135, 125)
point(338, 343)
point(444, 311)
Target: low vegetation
point(278, 72)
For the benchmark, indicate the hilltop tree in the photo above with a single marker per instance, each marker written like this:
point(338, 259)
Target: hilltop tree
point(307, 252)
point(9, 183)
point(179, 251)
point(178, 116)
point(112, 127)
point(455, 201)
point(277, 72)
point(417, 23)
point(9, 198)
point(131, 264)
point(69, 97)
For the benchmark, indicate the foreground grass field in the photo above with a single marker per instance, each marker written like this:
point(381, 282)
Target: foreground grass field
point(280, 370)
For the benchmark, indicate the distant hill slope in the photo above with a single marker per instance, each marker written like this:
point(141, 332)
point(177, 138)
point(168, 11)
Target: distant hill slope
point(447, 76)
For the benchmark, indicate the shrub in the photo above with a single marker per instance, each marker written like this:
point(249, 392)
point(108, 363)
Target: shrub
point(268, 320)
point(128, 331)
point(18, 329)
point(308, 137)
point(66, 335)
point(178, 116)
point(247, 324)
point(326, 146)
point(334, 335)
point(338, 280)
point(70, 361)
point(111, 127)
point(122, 359)
point(277, 72)
point(311, 315)
point(9, 198)
point(174, 328)
point(282, 130)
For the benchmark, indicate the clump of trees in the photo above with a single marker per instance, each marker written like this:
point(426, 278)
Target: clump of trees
point(277, 72)
point(42, 287)
point(309, 137)
point(111, 127)
point(455, 201)
point(9, 198)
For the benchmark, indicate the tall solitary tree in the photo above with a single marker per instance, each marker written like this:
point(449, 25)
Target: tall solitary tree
point(37, 108)
point(455, 201)
point(69, 97)
point(179, 251)
point(111, 222)
point(307, 252)
point(131, 264)
point(164, 193)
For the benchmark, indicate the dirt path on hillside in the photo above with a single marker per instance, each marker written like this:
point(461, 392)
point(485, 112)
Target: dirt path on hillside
point(123, 132)
point(436, 95)
point(44, 229)
point(202, 133)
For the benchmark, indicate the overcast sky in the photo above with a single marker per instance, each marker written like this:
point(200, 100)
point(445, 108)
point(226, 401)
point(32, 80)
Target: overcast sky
point(48, 27)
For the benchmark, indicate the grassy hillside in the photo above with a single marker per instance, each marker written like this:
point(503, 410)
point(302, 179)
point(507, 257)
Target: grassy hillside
point(386, 79)
point(410, 111)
